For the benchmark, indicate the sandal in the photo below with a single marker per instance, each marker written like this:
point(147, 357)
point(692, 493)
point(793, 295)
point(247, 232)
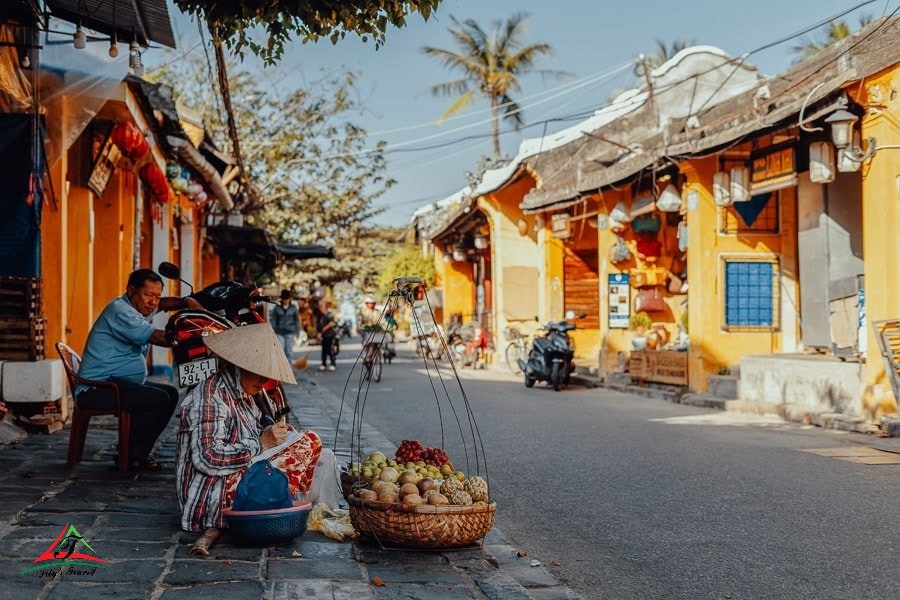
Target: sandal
point(148, 463)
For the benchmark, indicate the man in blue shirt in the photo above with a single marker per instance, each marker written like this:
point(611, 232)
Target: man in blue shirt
point(116, 350)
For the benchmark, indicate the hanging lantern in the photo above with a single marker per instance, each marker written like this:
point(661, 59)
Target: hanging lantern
point(155, 179)
point(130, 141)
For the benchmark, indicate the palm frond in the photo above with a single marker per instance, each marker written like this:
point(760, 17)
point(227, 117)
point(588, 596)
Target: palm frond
point(458, 106)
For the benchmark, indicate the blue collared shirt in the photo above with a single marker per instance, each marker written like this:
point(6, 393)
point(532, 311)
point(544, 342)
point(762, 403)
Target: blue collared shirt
point(117, 344)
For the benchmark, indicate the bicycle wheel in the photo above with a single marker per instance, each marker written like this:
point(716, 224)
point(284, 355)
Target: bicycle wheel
point(513, 353)
point(376, 367)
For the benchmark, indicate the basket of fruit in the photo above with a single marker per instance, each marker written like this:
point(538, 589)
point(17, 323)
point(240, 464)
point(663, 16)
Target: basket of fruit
point(419, 503)
point(417, 498)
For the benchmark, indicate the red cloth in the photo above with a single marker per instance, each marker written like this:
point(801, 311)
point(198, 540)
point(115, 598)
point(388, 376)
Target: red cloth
point(649, 247)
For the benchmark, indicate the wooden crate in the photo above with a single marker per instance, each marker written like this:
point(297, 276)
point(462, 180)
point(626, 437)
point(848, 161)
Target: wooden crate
point(20, 297)
point(22, 339)
point(660, 366)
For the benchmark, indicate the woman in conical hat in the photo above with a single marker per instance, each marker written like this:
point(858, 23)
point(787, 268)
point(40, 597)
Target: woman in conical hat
point(222, 430)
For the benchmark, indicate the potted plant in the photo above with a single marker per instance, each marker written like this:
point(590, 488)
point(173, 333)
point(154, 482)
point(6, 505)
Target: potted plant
point(639, 322)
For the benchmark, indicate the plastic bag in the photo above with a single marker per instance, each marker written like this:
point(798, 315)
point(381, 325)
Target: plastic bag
point(620, 213)
point(326, 484)
point(263, 487)
point(642, 206)
point(619, 252)
point(330, 522)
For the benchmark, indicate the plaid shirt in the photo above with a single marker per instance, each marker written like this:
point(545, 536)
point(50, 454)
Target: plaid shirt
point(218, 436)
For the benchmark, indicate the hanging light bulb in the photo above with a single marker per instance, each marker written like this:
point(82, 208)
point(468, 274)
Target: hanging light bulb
point(134, 59)
point(113, 48)
point(79, 40)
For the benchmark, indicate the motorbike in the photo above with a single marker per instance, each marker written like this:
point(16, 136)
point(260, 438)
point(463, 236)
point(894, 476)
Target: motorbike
point(227, 304)
point(466, 344)
point(551, 356)
point(345, 328)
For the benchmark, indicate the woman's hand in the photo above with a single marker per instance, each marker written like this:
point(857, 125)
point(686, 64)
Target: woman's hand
point(273, 436)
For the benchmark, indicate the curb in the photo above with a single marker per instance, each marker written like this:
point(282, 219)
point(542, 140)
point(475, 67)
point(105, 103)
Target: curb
point(889, 426)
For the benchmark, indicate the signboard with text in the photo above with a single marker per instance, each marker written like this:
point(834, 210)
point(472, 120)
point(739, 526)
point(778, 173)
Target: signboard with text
point(619, 300)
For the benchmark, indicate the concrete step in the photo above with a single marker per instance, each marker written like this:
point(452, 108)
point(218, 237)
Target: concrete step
point(726, 387)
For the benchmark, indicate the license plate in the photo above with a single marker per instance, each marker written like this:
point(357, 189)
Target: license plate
point(196, 371)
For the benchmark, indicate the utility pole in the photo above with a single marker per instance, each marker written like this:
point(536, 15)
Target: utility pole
point(642, 60)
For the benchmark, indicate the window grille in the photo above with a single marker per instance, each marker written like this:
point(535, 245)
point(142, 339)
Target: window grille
point(751, 294)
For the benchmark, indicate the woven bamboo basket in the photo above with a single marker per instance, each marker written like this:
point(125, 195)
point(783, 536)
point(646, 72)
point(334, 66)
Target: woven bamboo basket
point(422, 526)
point(350, 482)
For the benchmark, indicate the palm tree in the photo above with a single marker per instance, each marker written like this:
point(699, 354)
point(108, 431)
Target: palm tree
point(664, 53)
point(835, 31)
point(491, 66)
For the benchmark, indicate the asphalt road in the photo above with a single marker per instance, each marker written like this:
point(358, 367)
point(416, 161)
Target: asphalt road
point(627, 497)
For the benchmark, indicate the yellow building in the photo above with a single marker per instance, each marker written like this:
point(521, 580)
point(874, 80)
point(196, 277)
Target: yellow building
point(719, 203)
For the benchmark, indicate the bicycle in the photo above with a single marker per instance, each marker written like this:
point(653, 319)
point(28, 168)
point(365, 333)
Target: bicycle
point(372, 357)
point(516, 349)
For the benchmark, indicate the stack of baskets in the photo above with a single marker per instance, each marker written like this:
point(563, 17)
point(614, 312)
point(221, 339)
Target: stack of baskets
point(420, 526)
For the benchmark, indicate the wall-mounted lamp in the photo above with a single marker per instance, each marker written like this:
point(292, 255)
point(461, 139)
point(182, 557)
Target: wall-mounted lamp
point(841, 122)
point(79, 40)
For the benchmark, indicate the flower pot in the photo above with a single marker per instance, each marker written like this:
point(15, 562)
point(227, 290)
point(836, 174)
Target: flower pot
point(639, 342)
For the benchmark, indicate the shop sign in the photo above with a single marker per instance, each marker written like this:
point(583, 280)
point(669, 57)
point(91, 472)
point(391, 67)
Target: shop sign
point(619, 300)
point(560, 226)
point(772, 169)
point(103, 168)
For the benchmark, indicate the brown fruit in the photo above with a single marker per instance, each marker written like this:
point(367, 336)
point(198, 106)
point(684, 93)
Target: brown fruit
point(388, 497)
point(437, 499)
point(427, 483)
point(413, 499)
point(408, 488)
point(367, 495)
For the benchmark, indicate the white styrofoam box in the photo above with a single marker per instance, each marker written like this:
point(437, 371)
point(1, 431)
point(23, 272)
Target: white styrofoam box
point(40, 381)
point(740, 184)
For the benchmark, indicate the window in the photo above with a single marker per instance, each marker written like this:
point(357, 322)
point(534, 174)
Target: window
point(751, 294)
point(757, 215)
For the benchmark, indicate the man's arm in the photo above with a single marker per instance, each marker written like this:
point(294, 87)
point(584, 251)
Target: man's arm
point(169, 303)
point(158, 338)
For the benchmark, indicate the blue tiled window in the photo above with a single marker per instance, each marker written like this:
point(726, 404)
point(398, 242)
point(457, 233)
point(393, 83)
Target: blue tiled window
point(751, 296)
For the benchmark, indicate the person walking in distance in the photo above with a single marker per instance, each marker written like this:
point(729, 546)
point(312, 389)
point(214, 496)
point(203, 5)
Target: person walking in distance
point(326, 331)
point(285, 320)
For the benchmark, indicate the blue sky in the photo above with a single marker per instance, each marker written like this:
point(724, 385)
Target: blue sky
point(593, 40)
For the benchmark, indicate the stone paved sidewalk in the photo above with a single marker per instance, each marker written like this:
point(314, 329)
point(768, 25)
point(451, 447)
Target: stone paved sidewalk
point(131, 522)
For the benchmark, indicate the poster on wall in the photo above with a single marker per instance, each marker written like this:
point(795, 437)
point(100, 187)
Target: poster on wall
point(619, 300)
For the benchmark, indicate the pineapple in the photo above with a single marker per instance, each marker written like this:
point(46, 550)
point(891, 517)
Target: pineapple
point(461, 498)
point(450, 485)
point(477, 488)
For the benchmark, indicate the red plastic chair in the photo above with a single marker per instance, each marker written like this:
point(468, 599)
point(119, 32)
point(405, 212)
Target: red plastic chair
point(81, 417)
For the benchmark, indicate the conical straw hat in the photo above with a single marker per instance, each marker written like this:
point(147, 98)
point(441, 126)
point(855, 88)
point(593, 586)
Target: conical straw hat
point(253, 348)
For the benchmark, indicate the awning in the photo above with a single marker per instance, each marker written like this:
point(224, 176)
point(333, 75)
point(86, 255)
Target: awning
point(148, 20)
point(255, 244)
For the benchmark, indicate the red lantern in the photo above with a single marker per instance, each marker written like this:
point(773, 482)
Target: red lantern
point(156, 180)
point(130, 141)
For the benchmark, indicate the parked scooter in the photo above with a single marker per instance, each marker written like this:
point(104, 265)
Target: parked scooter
point(551, 356)
point(227, 304)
